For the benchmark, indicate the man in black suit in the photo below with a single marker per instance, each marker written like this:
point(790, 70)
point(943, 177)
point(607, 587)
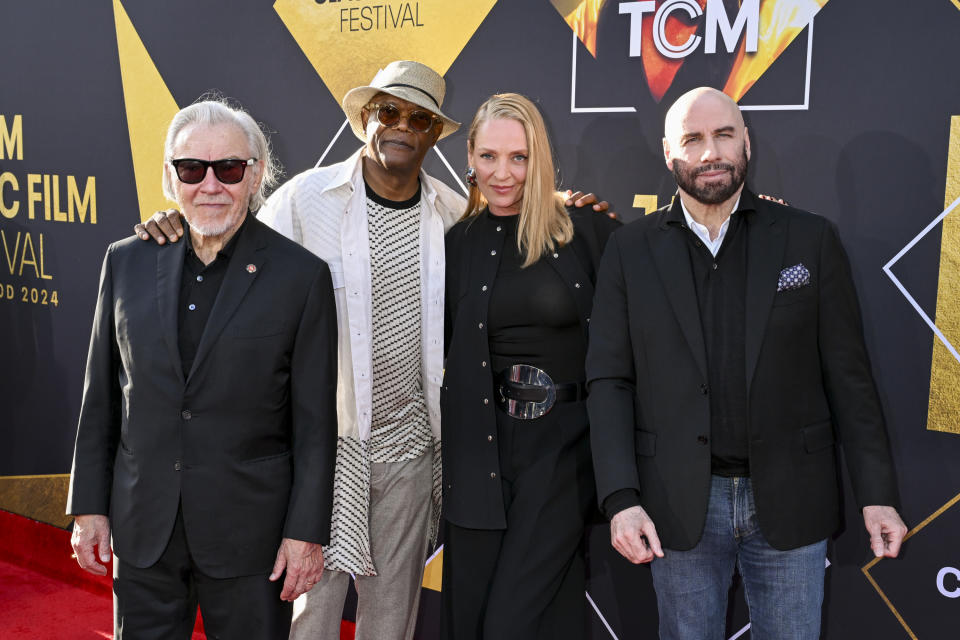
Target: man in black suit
point(207, 432)
point(726, 359)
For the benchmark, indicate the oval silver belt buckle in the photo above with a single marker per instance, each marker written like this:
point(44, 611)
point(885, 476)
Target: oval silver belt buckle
point(529, 409)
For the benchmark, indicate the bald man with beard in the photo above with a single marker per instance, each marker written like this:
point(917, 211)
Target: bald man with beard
point(726, 364)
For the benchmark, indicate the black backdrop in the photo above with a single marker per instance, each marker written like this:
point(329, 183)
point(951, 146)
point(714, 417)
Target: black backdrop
point(870, 150)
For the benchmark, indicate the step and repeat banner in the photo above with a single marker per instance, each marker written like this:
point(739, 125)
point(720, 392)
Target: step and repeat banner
point(854, 113)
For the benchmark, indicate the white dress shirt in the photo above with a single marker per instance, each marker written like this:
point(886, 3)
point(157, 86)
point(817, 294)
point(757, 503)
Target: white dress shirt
point(703, 233)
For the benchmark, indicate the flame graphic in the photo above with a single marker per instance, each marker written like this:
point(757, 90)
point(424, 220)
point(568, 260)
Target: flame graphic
point(582, 16)
point(661, 71)
point(780, 23)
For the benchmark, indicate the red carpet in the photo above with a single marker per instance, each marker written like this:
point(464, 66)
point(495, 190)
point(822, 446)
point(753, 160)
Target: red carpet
point(35, 606)
point(45, 595)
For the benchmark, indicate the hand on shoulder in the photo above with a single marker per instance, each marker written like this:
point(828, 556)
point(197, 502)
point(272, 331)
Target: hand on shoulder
point(162, 226)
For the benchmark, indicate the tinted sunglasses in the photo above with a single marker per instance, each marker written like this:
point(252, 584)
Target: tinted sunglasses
point(229, 171)
point(388, 115)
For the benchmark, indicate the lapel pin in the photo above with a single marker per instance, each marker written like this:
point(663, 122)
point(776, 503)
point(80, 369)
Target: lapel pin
point(251, 268)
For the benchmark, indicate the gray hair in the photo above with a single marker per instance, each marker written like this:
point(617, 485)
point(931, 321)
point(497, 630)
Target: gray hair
point(219, 111)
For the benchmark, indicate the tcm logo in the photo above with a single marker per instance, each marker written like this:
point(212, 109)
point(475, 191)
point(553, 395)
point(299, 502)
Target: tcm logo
point(953, 592)
point(748, 19)
point(662, 33)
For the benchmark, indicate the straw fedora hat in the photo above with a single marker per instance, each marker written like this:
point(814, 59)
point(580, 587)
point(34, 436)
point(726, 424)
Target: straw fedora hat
point(407, 80)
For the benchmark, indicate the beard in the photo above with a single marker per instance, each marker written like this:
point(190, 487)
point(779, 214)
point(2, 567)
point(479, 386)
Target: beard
point(214, 226)
point(716, 192)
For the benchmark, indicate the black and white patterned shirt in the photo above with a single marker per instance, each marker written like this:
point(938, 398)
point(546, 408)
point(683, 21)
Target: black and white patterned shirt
point(400, 427)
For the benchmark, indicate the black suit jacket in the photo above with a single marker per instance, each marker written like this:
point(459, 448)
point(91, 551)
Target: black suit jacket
point(472, 497)
point(809, 383)
point(245, 443)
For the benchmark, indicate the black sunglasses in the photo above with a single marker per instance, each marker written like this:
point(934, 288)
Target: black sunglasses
point(389, 115)
point(193, 171)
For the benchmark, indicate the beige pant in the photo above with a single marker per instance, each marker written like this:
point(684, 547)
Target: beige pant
point(387, 604)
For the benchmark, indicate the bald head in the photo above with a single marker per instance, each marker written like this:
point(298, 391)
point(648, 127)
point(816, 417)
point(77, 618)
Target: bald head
point(706, 146)
point(696, 104)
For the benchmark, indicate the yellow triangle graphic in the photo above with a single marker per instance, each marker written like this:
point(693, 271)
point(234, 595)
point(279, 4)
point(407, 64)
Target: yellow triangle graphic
point(433, 572)
point(943, 411)
point(149, 106)
point(347, 44)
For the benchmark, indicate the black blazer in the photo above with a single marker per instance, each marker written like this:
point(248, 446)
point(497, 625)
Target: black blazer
point(472, 493)
point(809, 382)
point(246, 443)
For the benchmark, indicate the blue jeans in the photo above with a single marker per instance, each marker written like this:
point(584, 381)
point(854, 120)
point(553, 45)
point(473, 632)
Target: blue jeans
point(784, 589)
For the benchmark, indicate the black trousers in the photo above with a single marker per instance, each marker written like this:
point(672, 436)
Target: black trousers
point(160, 602)
point(526, 581)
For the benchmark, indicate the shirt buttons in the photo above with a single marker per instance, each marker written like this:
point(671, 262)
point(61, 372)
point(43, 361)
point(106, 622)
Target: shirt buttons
point(556, 255)
point(714, 266)
point(703, 389)
point(702, 439)
point(186, 415)
point(486, 401)
point(177, 466)
point(576, 285)
point(499, 227)
point(483, 288)
point(483, 364)
point(199, 278)
point(480, 325)
point(490, 438)
point(191, 306)
point(492, 475)
point(494, 252)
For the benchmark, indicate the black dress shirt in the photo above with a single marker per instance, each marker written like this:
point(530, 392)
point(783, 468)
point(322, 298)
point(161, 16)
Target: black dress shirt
point(199, 286)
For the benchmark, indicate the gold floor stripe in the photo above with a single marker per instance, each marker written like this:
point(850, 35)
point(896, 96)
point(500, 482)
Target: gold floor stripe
point(45, 475)
point(866, 568)
point(935, 514)
point(889, 604)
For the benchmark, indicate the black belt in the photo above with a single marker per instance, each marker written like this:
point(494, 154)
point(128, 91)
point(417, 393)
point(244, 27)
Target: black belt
point(527, 392)
point(566, 392)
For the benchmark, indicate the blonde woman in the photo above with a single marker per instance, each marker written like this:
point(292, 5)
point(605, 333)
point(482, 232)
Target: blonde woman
point(518, 481)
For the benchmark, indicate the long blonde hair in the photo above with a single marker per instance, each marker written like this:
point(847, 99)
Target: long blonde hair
point(544, 224)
